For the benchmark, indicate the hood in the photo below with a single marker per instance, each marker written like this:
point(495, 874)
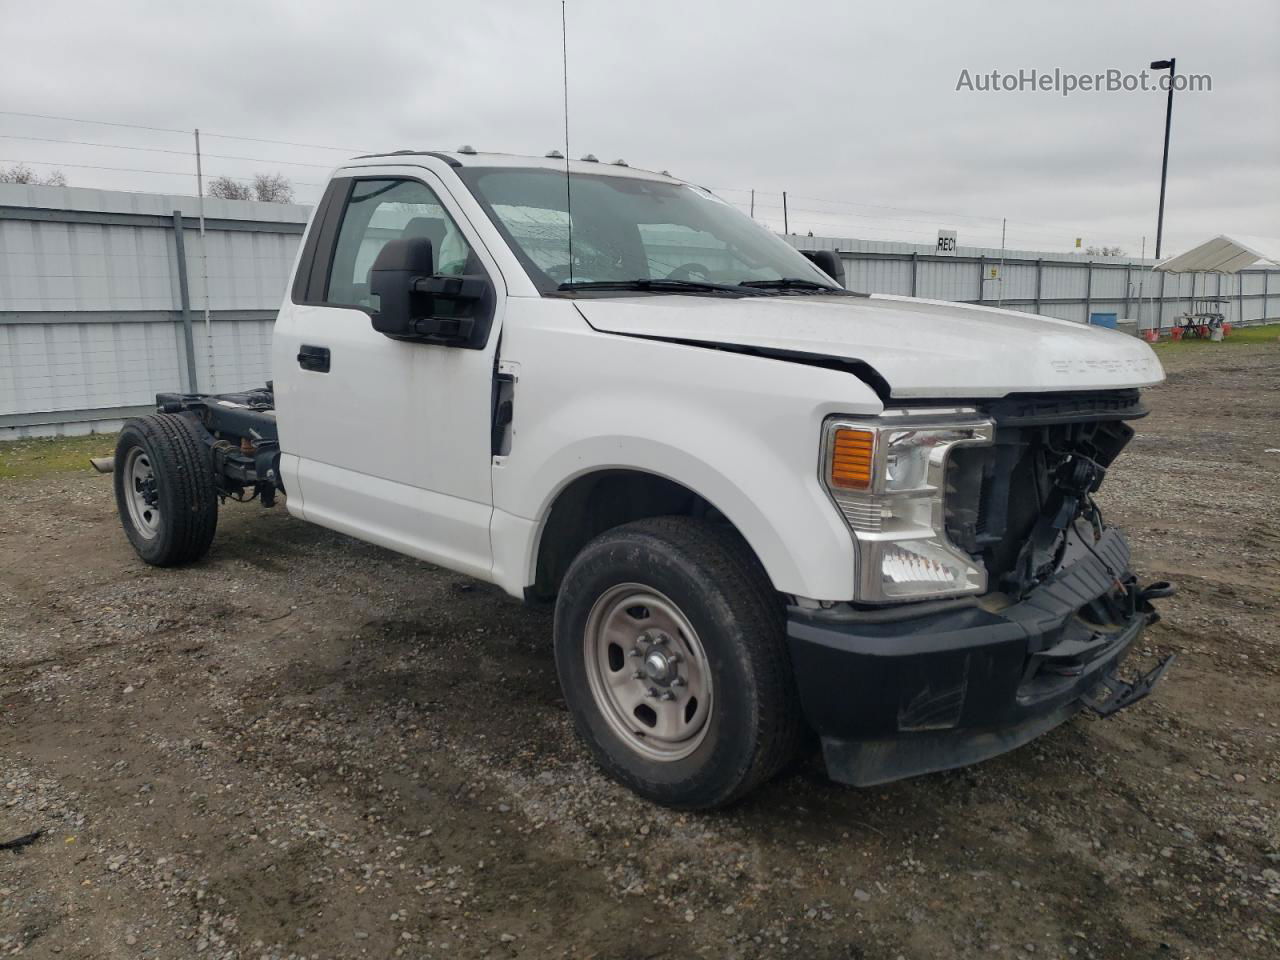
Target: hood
point(921, 348)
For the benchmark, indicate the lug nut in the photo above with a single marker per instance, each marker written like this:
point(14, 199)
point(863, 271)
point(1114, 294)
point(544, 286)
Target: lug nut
point(678, 682)
point(660, 639)
point(635, 652)
point(652, 693)
point(638, 675)
point(668, 695)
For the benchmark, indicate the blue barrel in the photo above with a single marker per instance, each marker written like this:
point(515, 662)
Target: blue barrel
point(1103, 320)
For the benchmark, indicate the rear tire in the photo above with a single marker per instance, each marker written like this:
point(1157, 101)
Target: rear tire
point(164, 488)
point(670, 645)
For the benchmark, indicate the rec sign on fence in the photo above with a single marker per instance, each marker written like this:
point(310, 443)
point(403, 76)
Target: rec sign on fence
point(946, 243)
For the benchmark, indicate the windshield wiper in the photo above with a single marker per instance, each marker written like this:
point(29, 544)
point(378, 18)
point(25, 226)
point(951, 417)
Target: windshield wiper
point(790, 283)
point(657, 285)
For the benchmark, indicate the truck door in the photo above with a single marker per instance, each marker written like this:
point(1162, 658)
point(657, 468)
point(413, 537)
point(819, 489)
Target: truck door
point(387, 440)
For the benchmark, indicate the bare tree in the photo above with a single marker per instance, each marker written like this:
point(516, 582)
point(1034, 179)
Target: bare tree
point(1104, 251)
point(273, 188)
point(225, 188)
point(266, 187)
point(21, 173)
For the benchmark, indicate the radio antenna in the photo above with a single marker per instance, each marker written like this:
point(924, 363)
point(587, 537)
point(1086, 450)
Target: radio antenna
point(568, 189)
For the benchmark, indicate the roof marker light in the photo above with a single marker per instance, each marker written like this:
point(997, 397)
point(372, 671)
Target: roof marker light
point(590, 158)
point(467, 149)
point(554, 155)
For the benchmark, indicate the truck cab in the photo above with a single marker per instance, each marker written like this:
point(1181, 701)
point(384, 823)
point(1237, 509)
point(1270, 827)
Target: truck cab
point(768, 510)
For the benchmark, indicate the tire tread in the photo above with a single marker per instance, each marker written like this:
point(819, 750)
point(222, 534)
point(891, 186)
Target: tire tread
point(726, 555)
point(181, 463)
point(722, 558)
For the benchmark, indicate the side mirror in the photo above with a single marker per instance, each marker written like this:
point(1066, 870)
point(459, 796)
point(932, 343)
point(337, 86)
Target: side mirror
point(413, 304)
point(828, 261)
point(398, 264)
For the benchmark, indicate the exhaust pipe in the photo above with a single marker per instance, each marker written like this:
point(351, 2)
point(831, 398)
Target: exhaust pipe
point(103, 464)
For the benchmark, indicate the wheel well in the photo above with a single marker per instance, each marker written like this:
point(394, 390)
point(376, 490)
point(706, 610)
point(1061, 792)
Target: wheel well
point(600, 501)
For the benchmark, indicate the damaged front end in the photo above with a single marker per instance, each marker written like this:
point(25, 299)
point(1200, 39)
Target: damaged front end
point(1010, 503)
point(930, 686)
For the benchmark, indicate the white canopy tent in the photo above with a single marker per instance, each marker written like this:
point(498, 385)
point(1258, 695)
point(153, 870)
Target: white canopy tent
point(1224, 254)
point(1221, 255)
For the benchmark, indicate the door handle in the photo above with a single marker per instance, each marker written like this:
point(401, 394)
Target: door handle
point(313, 358)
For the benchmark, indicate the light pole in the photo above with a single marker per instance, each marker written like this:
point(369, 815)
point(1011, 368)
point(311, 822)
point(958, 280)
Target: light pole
point(1170, 65)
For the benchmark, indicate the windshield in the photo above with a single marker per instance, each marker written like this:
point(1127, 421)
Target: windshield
point(626, 229)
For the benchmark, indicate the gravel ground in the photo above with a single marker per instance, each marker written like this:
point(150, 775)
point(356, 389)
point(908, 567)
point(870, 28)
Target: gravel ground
point(308, 747)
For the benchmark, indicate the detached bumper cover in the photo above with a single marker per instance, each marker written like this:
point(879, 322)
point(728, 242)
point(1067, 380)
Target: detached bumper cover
point(893, 699)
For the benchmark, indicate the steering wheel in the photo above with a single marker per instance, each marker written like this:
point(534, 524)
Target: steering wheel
point(686, 270)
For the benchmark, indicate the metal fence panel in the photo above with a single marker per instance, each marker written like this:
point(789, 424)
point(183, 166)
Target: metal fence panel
point(1252, 283)
point(1107, 282)
point(882, 276)
point(947, 280)
point(1014, 281)
point(90, 301)
point(1064, 282)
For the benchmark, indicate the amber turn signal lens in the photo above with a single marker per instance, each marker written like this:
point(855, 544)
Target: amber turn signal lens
point(851, 459)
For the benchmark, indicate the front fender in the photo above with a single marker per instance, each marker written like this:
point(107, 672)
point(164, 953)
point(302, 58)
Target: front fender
point(742, 432)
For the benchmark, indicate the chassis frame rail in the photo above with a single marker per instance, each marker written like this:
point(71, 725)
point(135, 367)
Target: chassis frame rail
point(240, 432)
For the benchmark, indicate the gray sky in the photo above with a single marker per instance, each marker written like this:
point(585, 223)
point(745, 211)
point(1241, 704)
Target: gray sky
point(851, 108)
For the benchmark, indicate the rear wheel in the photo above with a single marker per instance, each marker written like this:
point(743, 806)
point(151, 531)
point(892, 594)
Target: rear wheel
point(671, 650)
point(164, 488)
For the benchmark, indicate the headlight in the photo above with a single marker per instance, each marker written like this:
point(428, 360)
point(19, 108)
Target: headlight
point(887, 476)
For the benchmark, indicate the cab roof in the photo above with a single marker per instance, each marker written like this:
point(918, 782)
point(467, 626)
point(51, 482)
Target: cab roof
point(468, 157)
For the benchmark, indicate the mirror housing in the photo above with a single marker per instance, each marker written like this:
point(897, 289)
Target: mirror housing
point(398, 264)
point(414, 304)
point(828, 261)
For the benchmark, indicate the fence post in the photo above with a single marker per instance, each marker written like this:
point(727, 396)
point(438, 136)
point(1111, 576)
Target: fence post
point(1088, 290)
point(915, 260)
point(982, 280)
point(1160, 313)
point(1127, 283)
point(184, 296)
point(1039, 280)
point(1266, 289)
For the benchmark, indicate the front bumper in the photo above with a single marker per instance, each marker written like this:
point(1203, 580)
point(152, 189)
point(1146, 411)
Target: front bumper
point(894, 698)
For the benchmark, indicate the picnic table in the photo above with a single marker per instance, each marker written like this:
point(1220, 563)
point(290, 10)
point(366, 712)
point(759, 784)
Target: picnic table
point(1205, 316)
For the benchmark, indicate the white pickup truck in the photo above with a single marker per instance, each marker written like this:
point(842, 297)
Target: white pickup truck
point(768, 510)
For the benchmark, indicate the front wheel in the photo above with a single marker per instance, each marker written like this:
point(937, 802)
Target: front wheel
point(670, 646)
point(164, 488)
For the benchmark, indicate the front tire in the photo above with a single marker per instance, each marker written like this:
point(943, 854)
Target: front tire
point(164, 488)
point(671, 650)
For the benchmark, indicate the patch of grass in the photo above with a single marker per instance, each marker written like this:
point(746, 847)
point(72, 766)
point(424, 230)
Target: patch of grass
point(1239, 337)
point(40, 456)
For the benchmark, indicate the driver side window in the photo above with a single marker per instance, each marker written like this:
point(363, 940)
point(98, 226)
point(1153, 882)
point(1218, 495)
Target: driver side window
point(381, 210)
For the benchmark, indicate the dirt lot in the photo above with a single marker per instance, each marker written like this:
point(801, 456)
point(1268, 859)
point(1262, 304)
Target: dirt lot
point(305, 746)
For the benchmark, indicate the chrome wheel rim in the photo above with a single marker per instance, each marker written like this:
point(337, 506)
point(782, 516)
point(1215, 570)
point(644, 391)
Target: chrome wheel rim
point(140, 493)
point(648, 672)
